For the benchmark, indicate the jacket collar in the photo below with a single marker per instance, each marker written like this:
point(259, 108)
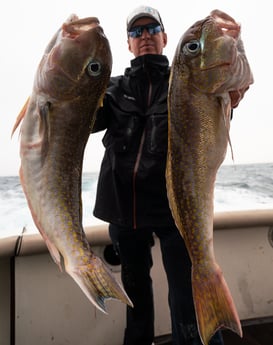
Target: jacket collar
point(150, 63)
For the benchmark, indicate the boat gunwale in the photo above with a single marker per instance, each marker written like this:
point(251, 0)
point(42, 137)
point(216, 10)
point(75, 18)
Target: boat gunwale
point(31, 244)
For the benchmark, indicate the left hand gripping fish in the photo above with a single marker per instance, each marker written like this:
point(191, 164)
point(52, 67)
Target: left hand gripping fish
point(57, 120)
point(209, 76)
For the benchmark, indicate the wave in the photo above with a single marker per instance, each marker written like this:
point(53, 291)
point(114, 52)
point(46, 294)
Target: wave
point(238, 187)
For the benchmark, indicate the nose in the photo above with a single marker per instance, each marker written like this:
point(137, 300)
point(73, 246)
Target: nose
point(145, 33)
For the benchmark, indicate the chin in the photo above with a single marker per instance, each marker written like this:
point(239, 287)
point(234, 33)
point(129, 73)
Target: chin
point(147, 51)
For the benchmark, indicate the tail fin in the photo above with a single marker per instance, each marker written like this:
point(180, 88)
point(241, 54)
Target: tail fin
point(98, 283)
point(214, 305)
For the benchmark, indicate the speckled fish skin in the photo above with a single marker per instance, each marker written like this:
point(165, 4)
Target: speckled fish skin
point(57, 119)
point(209, 75)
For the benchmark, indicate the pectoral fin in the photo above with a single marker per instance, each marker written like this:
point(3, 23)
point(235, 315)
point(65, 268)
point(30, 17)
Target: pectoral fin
point(20, 116)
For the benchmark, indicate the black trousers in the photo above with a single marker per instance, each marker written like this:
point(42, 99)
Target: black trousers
point(134, 248)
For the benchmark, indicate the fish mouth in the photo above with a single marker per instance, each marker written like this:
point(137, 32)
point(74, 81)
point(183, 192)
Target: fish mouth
point(218, 27)
point(226, 24)
point(76, 27)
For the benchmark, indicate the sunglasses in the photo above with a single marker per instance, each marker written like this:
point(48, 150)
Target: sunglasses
point(137, 31)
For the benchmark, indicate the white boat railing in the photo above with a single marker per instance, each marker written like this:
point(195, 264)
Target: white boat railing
point(41, 305)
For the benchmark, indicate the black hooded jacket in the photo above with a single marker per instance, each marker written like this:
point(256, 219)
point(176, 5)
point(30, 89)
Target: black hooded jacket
point(131, 186)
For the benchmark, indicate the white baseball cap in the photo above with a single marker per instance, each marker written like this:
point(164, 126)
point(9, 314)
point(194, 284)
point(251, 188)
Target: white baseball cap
point(144, 11)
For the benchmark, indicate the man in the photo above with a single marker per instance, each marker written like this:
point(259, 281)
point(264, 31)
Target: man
point(131, 193)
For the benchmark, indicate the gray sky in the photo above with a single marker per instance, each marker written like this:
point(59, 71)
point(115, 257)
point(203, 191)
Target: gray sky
point(27, 27)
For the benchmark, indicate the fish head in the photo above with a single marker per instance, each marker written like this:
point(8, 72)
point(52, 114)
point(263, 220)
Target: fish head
point(68, 88)
point(212, 56)
point(77, 60)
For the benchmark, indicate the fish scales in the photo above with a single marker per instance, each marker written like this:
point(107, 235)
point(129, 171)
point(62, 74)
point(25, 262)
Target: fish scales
point(209, 76)
point(57, 120)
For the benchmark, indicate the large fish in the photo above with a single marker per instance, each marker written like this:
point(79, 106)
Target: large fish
point(209, 76)
point(57, 119)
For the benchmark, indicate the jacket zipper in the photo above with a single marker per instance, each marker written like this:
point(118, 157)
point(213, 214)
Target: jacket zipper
point(139, 154)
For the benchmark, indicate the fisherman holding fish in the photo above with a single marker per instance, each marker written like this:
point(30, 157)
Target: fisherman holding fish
point(167, 131)
point(131, 192)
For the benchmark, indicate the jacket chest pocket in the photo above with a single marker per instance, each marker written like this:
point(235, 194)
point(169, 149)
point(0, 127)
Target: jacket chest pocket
point(157, 134)
point(124, 136)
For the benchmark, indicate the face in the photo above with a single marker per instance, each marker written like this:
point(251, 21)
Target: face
point(147, 43)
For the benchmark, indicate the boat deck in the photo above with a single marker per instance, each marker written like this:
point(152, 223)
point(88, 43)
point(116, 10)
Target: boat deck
point(261, 334)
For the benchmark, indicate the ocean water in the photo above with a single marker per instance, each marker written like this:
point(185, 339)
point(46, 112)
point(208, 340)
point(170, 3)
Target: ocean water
point(238, 187)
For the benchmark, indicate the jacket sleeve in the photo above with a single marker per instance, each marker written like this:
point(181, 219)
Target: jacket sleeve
point(101, 121)
point(104, 113)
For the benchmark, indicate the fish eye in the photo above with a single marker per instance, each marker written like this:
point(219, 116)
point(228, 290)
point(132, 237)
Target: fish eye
point(93, 68)
point(192, 47)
